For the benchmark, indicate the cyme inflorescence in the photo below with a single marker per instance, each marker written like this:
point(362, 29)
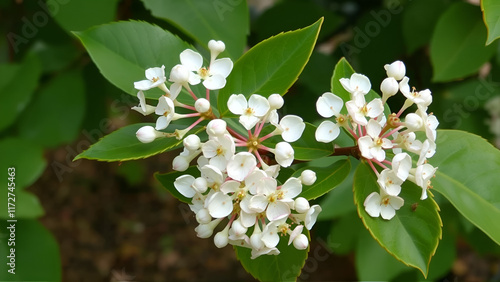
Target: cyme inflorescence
point(379, 136)
point(235, 188)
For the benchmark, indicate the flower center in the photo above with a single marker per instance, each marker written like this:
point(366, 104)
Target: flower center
point(204, 73)
point(155, 79)
point(249, 111)
point(385, 201)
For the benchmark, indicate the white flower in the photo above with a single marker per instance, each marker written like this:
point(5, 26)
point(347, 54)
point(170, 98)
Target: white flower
point(155, 78)
point(422, 98)
point(166, 110)
point(219, 150)
point(396, 70)
point(401, 165)
point(358, 109)
point(143, 108)
point(148, 134)
point(276, 202)
point(250, 113)
point(241, 165)
point(389, 181)
point(371, 145)
point(382, 204)
point(428, 150)
point(290, 127)
point(214, 77)
point(422, 177)
point(357, 85)
point(180, 76)
point(308, 217)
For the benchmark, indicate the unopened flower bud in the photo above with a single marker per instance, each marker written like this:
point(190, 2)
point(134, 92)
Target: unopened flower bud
point(179, 74)
point(206, 230)
point(200, 184)
point(301, 205)
point(202, 105)
point(216, 47)
point(275, 101)
point(284, 154)
point(216, 127)
point(221, 239)
point(237, 228)
point(148, 134)
point(389, 87)
point(180, 163)
point(192, 142)
point(308, 177)
point(301, 242)
point(203, 216)
point(396, 70)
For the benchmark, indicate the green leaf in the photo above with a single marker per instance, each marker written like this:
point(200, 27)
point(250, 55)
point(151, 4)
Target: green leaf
point(25, 157)
point(491, 17)
point(205, 20)
point(284, 267)
point(54, 116)
point(467, 177)
point(327, 178)
point(56, 57)
point(36, 252)
point(17, 85)
point(167, 180)
point(307, 148)
point(26, 204)
point(123, 51)
point(345, 231)
point(271, 66)
point(78, 15)
point(367, 252)
point(294, 14)
point(344, 70)
point(410, 236)
point(457, 45)
point(339, 201)
point(417, 30)
point(123, 145)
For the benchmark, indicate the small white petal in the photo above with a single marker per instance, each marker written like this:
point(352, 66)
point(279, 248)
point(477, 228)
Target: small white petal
point(191, 59)
point(327, 131)
point(220, 205)
point(329, 105)
point(237, 104)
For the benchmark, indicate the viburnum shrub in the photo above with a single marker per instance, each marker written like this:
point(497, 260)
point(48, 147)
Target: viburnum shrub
point(253, 177)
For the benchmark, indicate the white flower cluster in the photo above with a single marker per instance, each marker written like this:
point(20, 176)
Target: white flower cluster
point(236, 188)
point(376, 133)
